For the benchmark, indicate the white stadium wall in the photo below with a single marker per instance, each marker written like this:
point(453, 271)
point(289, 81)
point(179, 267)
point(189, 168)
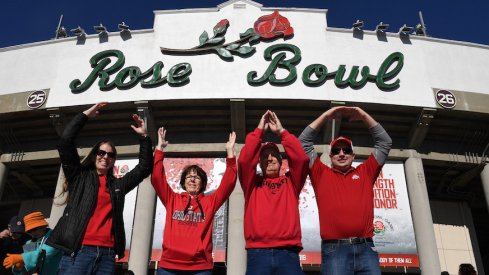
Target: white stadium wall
point(428, 63)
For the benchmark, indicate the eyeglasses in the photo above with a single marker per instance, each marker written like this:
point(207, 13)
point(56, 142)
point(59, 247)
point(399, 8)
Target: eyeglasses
point(346, 150)
point(101, 153)
point(190, 177)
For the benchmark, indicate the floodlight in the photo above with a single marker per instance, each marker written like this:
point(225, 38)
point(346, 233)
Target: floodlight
point(100, 29)
point(79, 32)
point(62, 33)
point(420, 29)
point(405, 30)
point(358, 25)
point(381, 27)
point(123, 27)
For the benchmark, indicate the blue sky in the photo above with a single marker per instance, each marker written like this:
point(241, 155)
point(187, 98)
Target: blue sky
point(26, 21)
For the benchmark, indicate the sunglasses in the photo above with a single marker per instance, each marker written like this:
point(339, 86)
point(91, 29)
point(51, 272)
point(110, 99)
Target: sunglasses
point(337, 150)
point(102, 153)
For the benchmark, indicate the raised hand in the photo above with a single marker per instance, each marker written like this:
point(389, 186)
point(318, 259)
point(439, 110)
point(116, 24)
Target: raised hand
point(354, 113)
point(230, 144)
point(141, 129)
point(162, 143)
point(275, 124)
point(335, 112)
point(357, 114)
point(93, 111)
point(265, 118)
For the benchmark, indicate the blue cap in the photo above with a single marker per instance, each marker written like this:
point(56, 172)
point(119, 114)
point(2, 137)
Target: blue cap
point(16, 225)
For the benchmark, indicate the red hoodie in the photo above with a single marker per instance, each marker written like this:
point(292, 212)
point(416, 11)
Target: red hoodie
point(272, 204)
point(187, 238)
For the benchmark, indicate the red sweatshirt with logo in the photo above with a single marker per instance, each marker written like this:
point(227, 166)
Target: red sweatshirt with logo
point(272, 204)
point(187, 238)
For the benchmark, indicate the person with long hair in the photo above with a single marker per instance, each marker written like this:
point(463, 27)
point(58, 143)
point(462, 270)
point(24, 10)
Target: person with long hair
point(91, 230)
point(187, 239)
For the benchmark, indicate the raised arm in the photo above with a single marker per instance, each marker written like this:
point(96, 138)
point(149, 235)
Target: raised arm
point(310, 132)
point(70, 160)
point(158, 177)
point(383, 141)
point(144, 166)
point(249, 155)
point(296, 157)
point(228, 181)
point(141, 128)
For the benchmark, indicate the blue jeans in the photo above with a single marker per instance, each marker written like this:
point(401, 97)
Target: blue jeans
point(164, 271)
point(89, 260)
point(349, 259)
point(280, 261)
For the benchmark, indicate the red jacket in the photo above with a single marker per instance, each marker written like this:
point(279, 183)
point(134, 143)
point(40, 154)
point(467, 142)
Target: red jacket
point(272, 205)
point(187, 239)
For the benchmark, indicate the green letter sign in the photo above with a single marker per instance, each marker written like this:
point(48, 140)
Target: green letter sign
point(316, 75)
point(129, 77)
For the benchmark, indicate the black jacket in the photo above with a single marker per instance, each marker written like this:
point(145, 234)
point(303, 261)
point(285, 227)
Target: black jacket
point(83, 190)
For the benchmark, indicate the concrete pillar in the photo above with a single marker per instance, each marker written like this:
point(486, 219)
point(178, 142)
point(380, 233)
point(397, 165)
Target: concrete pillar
point(236, 253)
point(58, 201)
point(485, 183)
point(422, 219)
point(142, 232)
point(3, 178)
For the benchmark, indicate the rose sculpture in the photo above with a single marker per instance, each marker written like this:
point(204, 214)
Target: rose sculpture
point(273, 25)
point(266, 27)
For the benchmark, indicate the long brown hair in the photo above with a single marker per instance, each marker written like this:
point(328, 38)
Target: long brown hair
point(89, 163)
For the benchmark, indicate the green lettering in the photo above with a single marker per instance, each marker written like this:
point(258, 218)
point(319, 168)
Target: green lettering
point(278, 61)
point(179, 74)
point(98, 63)
point(155, 72)
point(130, 72)
point(383, 75)
point(319, 70)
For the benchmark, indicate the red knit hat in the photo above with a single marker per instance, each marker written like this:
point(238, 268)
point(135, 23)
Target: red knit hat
point(34, 220)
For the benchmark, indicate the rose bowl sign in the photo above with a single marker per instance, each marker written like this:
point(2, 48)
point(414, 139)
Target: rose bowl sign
point(283, 59)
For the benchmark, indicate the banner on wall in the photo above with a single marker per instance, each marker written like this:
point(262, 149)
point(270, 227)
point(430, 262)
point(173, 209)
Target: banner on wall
point(214, 167)
point(121, 168)
point(393, 225)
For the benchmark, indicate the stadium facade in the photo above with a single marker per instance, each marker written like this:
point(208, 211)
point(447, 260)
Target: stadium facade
point(202, 73)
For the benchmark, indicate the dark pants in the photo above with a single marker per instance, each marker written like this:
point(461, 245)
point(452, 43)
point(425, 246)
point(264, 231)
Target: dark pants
point(89, 260)
point(164, 271)
point(349, 259)
point(279, 261)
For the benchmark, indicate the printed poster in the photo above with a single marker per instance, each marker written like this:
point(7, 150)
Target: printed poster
point(122, 167)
